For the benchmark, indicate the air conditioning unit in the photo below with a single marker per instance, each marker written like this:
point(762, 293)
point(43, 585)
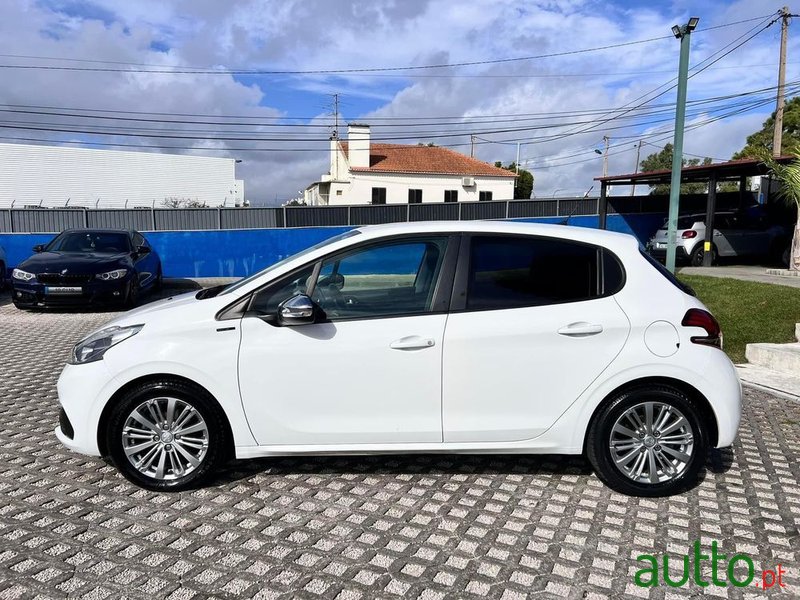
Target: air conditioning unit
point(468, 181)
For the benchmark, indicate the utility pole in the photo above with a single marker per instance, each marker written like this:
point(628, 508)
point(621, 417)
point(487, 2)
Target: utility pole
point(472, 146)
point(684, 35)
point(636, 167)
point(336, 115)
point(777, 134)
point(606, 140)
point(517, 163)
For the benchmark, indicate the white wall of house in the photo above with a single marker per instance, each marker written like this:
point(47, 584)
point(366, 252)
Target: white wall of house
point(52, 175)
point(359, 189)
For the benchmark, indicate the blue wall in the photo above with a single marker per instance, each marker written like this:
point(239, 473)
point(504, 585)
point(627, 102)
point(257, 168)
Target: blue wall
point(240, 252)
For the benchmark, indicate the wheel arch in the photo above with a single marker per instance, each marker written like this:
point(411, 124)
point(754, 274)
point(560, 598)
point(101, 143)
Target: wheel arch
point(105, 415)
point(706, 412)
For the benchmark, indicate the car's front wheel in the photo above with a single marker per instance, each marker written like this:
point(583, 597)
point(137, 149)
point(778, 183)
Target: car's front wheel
point(166, 436)
point(648, 441)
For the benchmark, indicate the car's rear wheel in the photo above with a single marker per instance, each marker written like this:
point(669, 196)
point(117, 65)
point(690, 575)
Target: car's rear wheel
point(648, 441)
point(166, 436)
point(698, 254)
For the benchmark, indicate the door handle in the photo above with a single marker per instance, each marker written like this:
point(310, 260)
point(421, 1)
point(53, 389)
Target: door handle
point(412, 342)
point(580, 329)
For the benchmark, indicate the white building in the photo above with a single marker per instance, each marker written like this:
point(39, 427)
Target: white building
point(64, 176)
point(364, 173)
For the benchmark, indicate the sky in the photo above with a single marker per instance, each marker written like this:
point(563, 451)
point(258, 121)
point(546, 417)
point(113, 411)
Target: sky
point(81, 58)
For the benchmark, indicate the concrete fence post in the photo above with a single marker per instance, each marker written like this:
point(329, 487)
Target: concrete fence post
point(508, 204)
point(285, 221)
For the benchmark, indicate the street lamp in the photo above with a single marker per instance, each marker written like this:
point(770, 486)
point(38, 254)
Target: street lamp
point(683, 33)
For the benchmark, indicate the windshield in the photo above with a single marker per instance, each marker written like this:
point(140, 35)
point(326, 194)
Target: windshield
point(91, 241)
point(242, 282)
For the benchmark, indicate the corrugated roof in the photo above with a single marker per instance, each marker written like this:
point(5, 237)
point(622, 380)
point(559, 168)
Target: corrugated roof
point(404, 158)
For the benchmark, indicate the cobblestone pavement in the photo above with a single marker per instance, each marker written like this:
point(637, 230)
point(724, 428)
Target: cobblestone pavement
point(413, 527)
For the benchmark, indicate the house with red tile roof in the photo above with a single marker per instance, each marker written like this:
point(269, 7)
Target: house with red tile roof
point(362, 172)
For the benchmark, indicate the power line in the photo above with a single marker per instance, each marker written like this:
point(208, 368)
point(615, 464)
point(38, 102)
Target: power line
point(160, 69)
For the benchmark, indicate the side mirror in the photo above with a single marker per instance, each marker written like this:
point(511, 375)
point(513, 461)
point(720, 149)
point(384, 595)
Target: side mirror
point(38, 248)
point(142, 250)
point(297, 310)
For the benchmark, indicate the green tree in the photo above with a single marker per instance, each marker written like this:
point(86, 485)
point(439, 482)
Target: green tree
point(761, 141)
point(523, 184)
point(661, 160)
point(789, 176)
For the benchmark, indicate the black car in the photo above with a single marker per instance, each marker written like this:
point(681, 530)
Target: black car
point(87, 266)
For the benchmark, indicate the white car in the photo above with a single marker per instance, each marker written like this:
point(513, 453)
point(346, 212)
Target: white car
point(490, 337)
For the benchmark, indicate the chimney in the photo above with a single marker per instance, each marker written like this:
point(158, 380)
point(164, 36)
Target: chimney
point(358, 145)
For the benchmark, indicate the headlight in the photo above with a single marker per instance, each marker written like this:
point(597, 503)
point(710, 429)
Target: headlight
point(111, 275)
point(94, 347)
point(22, 275)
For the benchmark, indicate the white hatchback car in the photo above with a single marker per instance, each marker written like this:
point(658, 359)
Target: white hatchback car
point(491, 337)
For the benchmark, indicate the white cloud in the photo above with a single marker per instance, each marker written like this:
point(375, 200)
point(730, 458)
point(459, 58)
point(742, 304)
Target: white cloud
point(323, 34)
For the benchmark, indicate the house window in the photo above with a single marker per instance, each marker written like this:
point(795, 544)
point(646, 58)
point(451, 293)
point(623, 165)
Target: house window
point(415, 196)
point(379, 195)
point(451, 195)
point(485, 196)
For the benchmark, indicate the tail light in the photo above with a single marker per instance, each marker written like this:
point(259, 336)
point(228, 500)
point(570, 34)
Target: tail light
point(689, 234)
point(697, 317)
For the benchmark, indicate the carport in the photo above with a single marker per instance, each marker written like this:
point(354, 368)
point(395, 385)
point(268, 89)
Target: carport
point(711, 175)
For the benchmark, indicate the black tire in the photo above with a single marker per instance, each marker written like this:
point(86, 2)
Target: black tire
point(132, 295)
point(217, 437)
point(158, 285)
point(598, 441)
point(698, 253)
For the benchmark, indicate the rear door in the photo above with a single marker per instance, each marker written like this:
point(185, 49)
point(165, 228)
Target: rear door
point(533, 322)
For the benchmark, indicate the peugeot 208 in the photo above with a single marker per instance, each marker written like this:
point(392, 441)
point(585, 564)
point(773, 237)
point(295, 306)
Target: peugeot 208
point(433, 337)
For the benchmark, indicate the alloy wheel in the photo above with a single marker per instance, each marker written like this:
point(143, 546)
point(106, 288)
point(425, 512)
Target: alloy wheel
point(165, 438)
point(652, 442)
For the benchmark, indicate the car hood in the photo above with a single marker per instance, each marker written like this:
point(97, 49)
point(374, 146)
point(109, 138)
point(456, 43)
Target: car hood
point(175, 303)
point(74, 262)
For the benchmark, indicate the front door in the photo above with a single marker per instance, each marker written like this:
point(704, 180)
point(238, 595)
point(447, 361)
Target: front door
point(537, 326)
point(368, 373)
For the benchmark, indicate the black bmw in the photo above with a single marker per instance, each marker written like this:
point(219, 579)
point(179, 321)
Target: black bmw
point(87, 266)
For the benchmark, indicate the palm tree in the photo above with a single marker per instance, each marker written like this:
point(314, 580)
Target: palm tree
point(788, 174)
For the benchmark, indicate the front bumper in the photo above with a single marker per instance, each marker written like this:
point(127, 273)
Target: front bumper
point(82, 393)
point(35, 295)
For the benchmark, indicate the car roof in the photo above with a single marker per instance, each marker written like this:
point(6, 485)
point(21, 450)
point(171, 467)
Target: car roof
point(98, 230)
point(586, 234)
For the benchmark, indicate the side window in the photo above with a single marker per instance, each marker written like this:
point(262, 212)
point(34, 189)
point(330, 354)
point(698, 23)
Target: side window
point(451, 195)
point(512, 272)
point(485, 196)
point(391, 278)
point(267, 300)
point(138, 240)
point(414, 196)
